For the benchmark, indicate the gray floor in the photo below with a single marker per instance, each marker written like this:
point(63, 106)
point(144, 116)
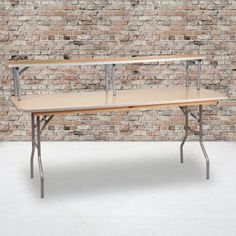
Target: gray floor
point(118, 189)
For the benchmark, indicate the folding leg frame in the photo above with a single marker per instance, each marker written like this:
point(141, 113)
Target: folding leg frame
point(188, 130)
point(36, 144)
point(37, 129)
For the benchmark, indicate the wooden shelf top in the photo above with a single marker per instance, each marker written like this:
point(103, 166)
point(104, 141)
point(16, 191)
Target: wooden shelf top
point(104, 61)
point(82, 101)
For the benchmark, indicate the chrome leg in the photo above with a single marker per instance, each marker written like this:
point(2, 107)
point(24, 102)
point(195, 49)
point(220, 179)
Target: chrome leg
point(187, 74)
point(185, 111)
point(106, 77)
point(198, 74)
point(33, 147)
point(188, 130)
point(113, 80)
point(202, 145)
point(14, 80)
point(36, 143)
point(39, 157)
point(17, 79)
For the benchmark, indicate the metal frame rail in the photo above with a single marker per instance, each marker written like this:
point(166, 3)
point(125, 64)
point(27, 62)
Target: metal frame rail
point(37, 128)
point(19, 69)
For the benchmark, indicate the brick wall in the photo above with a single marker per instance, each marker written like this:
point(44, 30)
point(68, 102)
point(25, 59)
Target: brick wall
point(48, 29)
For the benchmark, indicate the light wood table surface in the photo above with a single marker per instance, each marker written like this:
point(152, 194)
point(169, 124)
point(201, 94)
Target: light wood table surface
point(105, 61)
point(102, 100)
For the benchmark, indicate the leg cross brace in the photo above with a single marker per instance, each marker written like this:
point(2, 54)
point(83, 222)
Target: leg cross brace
point(36, 143)
point(188, 130)
point(37, 129)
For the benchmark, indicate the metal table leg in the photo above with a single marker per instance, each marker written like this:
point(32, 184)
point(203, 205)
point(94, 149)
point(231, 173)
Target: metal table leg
point(33, 146)
point(39, 157)
point(36, 143)
point(185, 111)
point(202, 145)
point(188, 130)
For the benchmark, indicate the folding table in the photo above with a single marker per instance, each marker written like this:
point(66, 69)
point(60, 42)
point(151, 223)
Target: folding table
point(44, 107)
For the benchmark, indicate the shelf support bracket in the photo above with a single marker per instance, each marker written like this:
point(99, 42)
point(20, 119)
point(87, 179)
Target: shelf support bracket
point(187, 74)
point(106, 78)
point(113, 80)
point(198, 74)
point(16, 79)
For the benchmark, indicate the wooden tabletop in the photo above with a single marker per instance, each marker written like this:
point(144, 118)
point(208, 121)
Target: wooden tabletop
point(104, 61)
point(125, 99)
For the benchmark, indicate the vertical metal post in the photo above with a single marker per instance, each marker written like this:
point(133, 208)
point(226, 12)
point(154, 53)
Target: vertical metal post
point(33, 146)
point(198, 74)
point(186, 134)
point(39, 158)
point(106, 77)
point(202, 145)
point(14, 80)
point(113, 80)
point(187, 74)
point(17, 78)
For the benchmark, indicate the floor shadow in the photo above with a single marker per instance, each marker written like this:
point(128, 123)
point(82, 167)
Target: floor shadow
point(118, 175)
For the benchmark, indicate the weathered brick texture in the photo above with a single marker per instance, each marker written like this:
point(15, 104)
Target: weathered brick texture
point(48, 29)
